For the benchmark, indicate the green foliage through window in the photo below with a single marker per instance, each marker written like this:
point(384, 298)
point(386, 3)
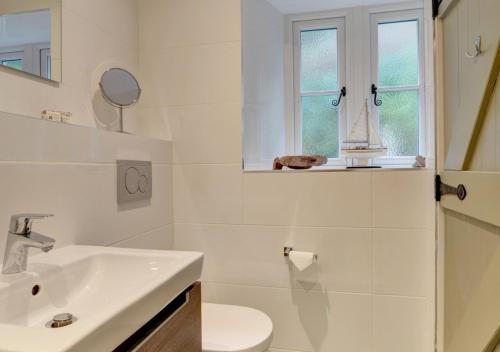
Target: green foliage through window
point(399, 122)
point(319, 60)
point(398, 54)
point(319, 74)
point(398, 64)
point(320, 126)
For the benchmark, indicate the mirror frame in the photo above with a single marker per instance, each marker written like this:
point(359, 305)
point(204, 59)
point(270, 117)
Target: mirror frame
point(109, 100)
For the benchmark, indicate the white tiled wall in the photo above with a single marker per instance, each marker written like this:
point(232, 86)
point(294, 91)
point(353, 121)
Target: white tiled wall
point(374, 280)
point(263, 51)
point(70, 171)
point(96, 35)
point(372, 289)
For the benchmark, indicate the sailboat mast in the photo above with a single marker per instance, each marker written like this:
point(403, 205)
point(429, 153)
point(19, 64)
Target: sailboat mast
point(367, 123)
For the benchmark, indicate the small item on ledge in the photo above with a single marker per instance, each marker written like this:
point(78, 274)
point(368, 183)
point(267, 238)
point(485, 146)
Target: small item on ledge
point(299, 162)
point(56, 116)
point(419, 161)
point(363, 143)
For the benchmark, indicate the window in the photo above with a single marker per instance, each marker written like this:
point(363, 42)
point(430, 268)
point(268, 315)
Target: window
point(388, 52)
point(397, 70)
point(319, 75)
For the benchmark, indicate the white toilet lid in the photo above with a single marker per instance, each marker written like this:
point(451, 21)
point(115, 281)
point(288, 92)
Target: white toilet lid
point(235, 329)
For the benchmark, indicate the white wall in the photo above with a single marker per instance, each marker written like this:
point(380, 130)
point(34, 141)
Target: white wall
point(263, 47)
point(70, 171)
point(299, 6)
point(96, 35)
point(373, 287)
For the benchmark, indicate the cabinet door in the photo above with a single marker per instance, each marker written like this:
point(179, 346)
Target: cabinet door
point(181, 332)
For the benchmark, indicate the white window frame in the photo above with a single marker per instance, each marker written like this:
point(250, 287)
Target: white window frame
point(394, 17)
point(358, 72)
point(298, 26)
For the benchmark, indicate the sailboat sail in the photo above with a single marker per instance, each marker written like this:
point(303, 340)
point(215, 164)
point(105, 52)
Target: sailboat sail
point(364, 140)
point(374, 139)
point(359, 132)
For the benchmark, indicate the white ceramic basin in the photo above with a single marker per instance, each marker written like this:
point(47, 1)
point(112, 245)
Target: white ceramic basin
point(111, 291)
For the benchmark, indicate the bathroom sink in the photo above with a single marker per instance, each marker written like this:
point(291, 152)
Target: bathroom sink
point(111, 292)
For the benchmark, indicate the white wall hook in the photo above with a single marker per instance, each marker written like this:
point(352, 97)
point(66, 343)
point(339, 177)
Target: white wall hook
point(477, 46)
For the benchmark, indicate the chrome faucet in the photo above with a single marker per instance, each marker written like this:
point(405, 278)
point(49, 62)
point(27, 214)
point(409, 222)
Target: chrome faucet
point(20, 238)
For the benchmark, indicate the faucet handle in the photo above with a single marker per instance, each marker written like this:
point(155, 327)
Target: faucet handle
point(20, 224)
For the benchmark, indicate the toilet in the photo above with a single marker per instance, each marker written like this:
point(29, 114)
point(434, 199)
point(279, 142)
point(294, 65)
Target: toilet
point(227, 328)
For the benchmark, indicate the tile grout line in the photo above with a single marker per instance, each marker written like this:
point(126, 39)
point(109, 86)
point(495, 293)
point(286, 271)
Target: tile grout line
point(372, 270)
point(302, 226)
point(71, 163)
point(194, 45)
point(316, 291)
point(141, 233)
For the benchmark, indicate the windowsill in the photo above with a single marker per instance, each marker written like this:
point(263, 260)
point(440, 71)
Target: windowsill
point(336, 169)
point(336, 166)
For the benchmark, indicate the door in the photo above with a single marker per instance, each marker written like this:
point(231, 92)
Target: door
point(468, 153)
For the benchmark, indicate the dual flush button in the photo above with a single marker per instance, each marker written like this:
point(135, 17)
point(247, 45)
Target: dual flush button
point(134, 180)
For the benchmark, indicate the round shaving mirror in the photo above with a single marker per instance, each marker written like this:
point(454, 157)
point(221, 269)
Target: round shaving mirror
point(120, 89)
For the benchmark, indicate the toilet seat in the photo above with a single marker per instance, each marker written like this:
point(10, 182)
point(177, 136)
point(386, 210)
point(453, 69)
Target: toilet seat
point(235, 329)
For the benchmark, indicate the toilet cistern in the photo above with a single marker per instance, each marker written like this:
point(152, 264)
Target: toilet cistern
point(20, 238)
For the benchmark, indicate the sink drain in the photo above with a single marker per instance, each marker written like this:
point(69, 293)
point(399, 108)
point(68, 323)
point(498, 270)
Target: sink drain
point(61, 320)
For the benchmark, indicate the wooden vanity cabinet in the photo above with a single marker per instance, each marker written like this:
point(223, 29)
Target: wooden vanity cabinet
point(177, 328)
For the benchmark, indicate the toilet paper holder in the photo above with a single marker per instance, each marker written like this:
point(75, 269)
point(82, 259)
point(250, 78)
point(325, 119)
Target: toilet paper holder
point(287, 250)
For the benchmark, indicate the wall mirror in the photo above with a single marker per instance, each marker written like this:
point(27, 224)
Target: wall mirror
point(324, 77)
point(30, 37)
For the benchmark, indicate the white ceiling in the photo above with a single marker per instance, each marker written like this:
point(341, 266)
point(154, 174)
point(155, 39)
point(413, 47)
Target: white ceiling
point(25, 28)
point(300, 6)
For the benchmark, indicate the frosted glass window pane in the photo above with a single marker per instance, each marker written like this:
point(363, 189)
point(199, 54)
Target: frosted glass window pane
point(398, 53)
point(319, 60)
point(320, 126)
point(399, 122)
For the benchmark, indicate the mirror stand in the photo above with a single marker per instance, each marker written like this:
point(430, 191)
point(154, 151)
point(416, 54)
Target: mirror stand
point(121, 120)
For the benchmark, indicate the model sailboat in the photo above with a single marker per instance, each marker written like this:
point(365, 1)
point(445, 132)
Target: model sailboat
point(363, 142)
